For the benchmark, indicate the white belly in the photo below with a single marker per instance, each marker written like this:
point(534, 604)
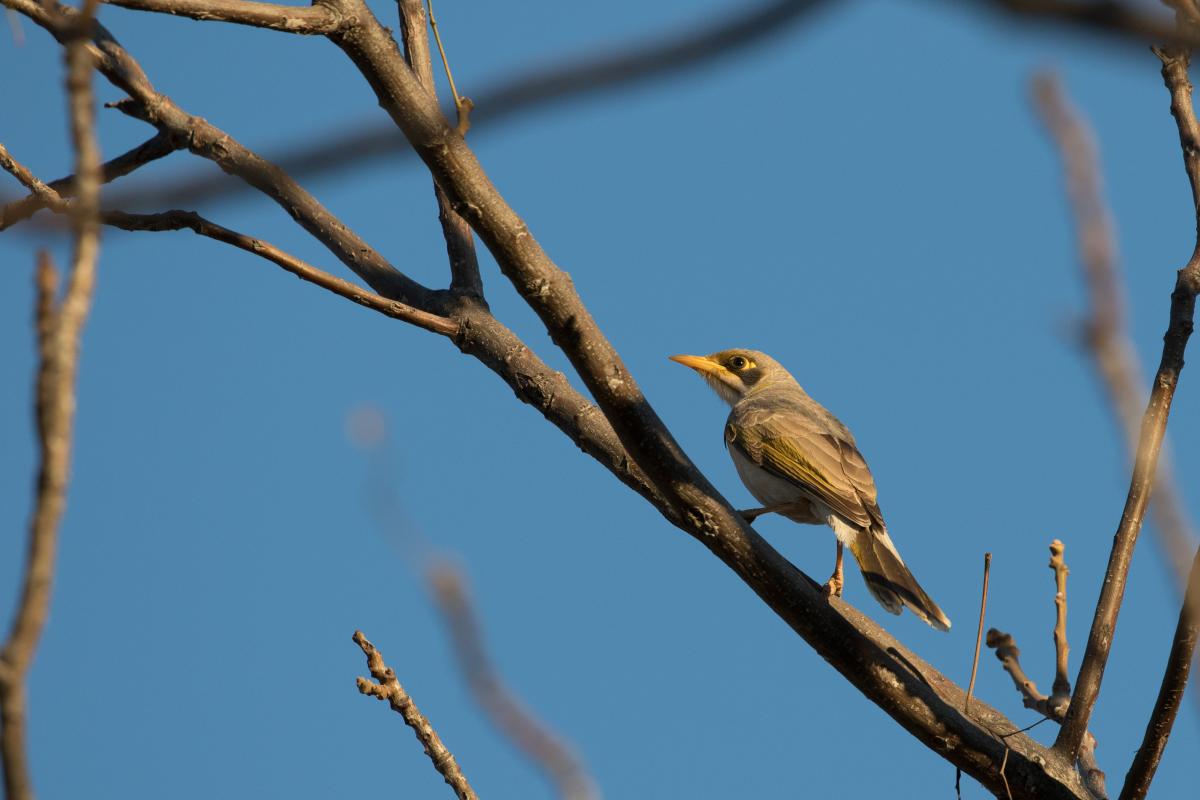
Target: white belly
point(766, 488)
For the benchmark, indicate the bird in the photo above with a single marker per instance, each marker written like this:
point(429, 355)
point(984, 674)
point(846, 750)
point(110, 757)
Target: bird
point(800, 461)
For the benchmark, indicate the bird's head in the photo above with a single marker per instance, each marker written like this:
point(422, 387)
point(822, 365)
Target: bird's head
point(733, 374)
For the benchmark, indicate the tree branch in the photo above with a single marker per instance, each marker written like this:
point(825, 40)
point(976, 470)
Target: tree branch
point(58, 333)
point(1154, 423)
point(1053, 707)
point(460, 240)
point(1105, 336)
point(189, 220)
point(659, 54)
point(388, 688)
point(210, 142)
point(311, 20)
point(154, 148)
point(1170, 693)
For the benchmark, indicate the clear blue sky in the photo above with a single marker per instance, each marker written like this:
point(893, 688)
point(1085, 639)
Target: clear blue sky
point(868, 198)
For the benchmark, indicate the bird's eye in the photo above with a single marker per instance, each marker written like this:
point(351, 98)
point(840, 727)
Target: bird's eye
point(737, 362)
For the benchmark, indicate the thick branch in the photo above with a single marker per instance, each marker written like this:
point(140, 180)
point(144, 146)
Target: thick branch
point(1154, 423)
point(387, 687)
point(1170, 693)
point(308, 20)
point(154, 148)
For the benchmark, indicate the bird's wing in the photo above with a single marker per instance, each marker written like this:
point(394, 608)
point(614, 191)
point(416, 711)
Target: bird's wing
point(820, 462)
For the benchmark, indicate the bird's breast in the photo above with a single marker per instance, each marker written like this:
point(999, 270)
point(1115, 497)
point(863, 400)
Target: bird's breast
point(768, 489)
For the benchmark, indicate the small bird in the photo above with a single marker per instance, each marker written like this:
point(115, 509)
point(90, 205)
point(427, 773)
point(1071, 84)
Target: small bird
point(800, 461)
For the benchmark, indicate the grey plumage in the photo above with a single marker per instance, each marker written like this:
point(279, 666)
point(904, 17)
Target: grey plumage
point(790, 451)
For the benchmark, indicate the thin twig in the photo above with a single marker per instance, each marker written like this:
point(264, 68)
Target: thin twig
point(1105, 334)
point(1154, 424)
point(58, 333)
point(387, 687)
point(1052, 707)
point(987, 569)
point(462, 105)
point(659, 54)
point(544, 747)
point(46, 195)
point(1061, 693)
point(154, 148)
point(190, 220)
point(460, 239)
point(1170, 693)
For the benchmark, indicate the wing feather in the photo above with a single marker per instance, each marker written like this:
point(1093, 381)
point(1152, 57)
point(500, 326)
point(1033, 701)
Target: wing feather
point(822, 463)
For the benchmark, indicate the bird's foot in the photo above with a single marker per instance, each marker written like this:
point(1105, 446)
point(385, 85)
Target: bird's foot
point(833, 586)
point(751, 514)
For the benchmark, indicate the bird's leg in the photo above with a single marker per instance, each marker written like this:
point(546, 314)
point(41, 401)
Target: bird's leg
point(834, 585)
point(751, 514)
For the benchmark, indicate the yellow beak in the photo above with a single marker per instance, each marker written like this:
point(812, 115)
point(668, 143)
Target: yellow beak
point(701, 364)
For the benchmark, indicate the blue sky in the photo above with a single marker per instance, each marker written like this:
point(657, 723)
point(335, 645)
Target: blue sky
point(867, 197)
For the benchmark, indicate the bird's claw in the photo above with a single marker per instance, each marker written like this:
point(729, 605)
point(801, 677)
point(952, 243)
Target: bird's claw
point(833, 586)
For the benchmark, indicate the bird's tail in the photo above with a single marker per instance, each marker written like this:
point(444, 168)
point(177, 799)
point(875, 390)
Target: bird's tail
point(889, 580)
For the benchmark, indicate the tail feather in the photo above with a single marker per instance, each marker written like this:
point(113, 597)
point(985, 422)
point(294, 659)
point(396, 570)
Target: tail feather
point(890, 581)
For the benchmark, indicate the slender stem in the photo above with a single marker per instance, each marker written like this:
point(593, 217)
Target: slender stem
point(1154, 424)
point(1170, 693)
point(387, 687)
point(987, 569)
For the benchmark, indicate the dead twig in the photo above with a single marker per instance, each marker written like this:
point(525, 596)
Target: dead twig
point(462, 105)
point(1050, 707)
point(387, 687)
point(1154, 425)
point(1170, 692)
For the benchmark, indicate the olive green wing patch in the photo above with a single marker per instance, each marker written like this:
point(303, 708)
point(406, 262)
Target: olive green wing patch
point(809, 460)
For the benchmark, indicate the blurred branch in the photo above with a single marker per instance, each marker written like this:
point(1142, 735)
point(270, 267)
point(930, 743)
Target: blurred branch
point(58, 334)
point(541, 745)
point(154, 148)
point(660, 55)
point(387, 687)
point(1132, 21)
point(1052, 707)
point(1105, 333)
point(1170, 693)
point(1154, 424)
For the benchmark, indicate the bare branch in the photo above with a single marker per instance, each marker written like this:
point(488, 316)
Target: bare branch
point(58, 333)
point(154, 148)
point(1105, 334)
point(544, 747)
point(1128, 20)
point(46, 195)
point(1062, 684)
point(210, 142)
point(387, 687)
point(987, 570)
point(1170, 693)
point(460, 240)
point(189, 220)
point(660, 54)
point(1154, 423)
point(311, 20)
point(1053, 707)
